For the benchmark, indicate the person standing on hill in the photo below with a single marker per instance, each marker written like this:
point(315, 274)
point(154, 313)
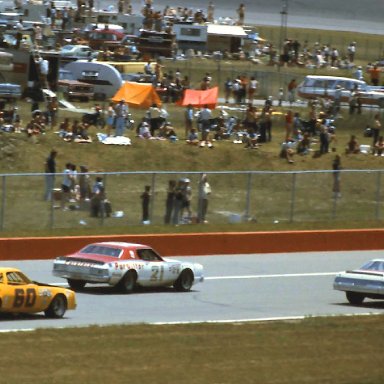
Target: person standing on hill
point(204, 194)
point(292, 85)
point(241, 14)
point(50, 170)
point(188, 120)
point(145, 200)
point(121, 111)
point(336, 166)
point(375, 75)
point(170, 201)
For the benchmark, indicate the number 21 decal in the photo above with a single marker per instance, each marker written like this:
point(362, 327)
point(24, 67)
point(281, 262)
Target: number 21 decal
point(157, 273)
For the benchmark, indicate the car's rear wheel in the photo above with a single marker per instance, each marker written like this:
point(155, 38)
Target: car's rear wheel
point(185, 281)
point(57, 308)
point(355, 298)
point(76, 285)
point(128, 282)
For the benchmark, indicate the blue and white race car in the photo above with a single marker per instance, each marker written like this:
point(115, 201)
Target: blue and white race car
point(365, 282)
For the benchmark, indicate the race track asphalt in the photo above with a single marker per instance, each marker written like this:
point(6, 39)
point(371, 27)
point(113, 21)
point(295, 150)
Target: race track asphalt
point(237, 288)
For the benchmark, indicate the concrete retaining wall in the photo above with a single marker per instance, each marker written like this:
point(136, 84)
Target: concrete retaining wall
point(35, 248)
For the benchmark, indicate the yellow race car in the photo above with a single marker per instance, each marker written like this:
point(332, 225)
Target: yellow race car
point(18, 294)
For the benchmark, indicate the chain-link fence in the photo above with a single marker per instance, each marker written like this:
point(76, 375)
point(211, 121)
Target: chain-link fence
point(262, 197)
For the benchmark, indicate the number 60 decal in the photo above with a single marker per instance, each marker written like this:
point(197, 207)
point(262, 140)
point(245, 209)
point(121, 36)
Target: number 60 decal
point(27, 298)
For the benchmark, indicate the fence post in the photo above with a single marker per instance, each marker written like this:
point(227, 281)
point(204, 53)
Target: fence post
point(3, 199)
point(102, 203)
point(248, 199)
point(152, 201)
point(293, 197)
point(51, 213)
point(334, 206)
point(378, 191)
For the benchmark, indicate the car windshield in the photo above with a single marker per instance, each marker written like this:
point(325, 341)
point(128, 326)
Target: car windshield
point(374, 265)
point(102, 250)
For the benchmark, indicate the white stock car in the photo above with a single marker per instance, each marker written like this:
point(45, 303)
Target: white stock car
point(367, 281)
point(125, 266)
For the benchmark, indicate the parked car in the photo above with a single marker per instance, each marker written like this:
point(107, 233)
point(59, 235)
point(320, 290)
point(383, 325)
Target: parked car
point(8, 20)
point(326, 86)
point(125, 266)
point(10, 91)
point(18, 294)
point(100, 39)
point(73, 89)
point(78, 52)
point(366, 281)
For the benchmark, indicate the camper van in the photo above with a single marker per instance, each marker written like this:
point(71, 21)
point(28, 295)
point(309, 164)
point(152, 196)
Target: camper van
point(106, 79)
point(326, 86)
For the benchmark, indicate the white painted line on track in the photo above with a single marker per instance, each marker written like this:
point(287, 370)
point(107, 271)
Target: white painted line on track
point(17, 330)
point(264, 319)
point(244, 277)
point(233, 321)
point(271, 276)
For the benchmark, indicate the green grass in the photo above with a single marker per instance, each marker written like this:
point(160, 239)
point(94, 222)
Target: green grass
point(270, 200)
point(324, 350)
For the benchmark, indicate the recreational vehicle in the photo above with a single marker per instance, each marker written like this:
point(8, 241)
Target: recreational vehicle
point(106, 79)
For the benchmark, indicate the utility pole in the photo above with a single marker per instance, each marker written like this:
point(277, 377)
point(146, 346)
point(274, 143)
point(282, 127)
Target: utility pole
point(283, 27)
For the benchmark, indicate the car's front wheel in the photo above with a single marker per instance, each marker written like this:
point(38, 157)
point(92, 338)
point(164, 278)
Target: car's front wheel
point(128, 282)
point(355, 298)
point(76, 285)
point(57, 308)
point(185, 281)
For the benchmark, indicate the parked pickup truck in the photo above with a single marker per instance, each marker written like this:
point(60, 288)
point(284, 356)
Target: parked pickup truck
point(326, 86)
point(10, 91)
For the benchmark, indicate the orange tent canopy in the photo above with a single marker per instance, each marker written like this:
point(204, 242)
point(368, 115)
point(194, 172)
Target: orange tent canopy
point(199, 98)
point(137, 95)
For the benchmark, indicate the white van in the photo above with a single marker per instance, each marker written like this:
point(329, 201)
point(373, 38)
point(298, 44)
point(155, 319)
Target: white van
point(325, 86)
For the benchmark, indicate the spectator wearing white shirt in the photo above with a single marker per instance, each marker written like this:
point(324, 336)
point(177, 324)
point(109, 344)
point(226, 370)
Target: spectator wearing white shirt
point(205, 117)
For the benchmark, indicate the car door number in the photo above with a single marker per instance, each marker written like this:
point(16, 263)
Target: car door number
point(26, 298)
point(157, 272)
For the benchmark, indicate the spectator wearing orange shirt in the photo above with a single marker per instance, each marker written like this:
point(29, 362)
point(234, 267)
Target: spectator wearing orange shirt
point(375, 75)
point(288, 124)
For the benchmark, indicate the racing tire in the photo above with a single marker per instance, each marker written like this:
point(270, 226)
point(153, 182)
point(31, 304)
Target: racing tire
point(185, 281)
point(128, 282)
point(76, 285)
point(355, 298)
point(57, 308)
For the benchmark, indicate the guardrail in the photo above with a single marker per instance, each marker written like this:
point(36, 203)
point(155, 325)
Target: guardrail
point(203, 243)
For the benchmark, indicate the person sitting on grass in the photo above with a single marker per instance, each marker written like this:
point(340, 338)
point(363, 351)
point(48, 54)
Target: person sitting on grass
point(144, 131)
point(193, 137)
point(378, 149)
point(352, 146)
point(287, 150)
point(304, 144)
point(251, 139)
